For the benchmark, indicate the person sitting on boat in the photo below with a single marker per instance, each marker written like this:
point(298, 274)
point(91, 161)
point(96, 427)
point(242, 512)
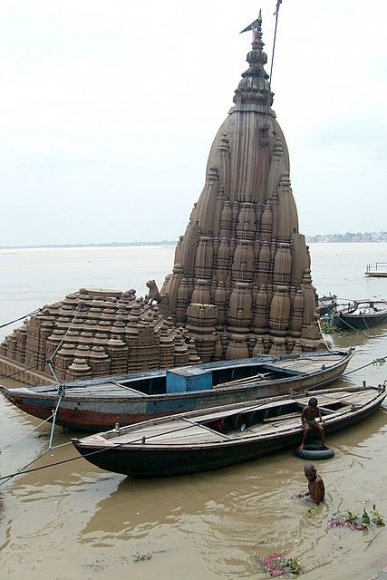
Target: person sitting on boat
point(316, 487)
point(309, 417)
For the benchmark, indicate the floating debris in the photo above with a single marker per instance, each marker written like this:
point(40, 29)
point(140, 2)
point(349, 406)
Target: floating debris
point(141, 557)
point(356, 521)
point(379, 361)
point(277, 564)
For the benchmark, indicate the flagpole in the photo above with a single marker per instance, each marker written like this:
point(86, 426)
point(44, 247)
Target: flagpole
point(275, 38)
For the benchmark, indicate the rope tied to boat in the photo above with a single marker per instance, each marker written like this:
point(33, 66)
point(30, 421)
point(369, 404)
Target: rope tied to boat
point(61, 392)
point(328, 346)
point(27, 433)
point(80, 306)
point(380, 360)
point(61, 387)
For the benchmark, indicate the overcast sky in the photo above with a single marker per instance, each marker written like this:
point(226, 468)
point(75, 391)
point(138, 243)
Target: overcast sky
point(109, 108)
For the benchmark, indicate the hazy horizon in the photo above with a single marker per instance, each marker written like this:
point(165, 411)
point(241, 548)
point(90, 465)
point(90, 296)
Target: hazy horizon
point(109, 112)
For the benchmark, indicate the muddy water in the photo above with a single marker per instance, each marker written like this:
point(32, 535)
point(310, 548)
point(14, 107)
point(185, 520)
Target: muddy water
point(72, 520)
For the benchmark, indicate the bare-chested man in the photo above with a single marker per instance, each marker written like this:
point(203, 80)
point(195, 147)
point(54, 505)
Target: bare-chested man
point(309, 417)
point(316, 487)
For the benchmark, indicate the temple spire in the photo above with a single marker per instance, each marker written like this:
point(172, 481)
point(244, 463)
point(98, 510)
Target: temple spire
point(254, 88)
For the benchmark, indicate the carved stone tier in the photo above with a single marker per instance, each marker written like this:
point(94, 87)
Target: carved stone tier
point(99, 337)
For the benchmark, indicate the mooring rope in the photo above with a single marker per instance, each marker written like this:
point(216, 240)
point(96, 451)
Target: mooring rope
point(79, 307)
point(380, 360)
point(23, 470)
point(21, 318)
point(6, 478)
point(61, 392)
point(27, 433)
point(323, 337)
point(24, 369)
point(61, 387)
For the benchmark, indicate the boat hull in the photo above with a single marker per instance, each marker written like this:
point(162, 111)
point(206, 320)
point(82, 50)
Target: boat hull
point(97, 413)
point(159, 461)
point(359, 322)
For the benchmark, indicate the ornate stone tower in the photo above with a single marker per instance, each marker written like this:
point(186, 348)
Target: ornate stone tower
point(241, 280)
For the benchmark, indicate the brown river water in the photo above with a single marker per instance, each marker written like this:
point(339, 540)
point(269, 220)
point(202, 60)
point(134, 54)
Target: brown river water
point(73, 521)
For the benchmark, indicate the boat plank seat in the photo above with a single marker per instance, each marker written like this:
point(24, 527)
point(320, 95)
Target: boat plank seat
point(262, 428)
point(353, 398)
point(283, 425)
point(181, 431)
point(282, 417)
point(250, 379)
point(107, 389)
point(242, 410)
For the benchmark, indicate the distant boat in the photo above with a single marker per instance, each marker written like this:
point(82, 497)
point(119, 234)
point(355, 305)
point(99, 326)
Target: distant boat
point(327, 304)
point(361, 314)
point(222, 436)
point(377, 270)
point(99, 403)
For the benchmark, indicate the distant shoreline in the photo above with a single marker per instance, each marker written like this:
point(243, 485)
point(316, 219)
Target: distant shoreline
point(91, 245)
point(316, 239)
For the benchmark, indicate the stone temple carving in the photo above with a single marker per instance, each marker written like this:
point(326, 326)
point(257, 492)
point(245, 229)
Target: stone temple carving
point(241, 280)
point(95, 332)
point(240, 286)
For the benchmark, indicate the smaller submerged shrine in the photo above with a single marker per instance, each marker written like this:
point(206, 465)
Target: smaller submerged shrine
point(94, 333)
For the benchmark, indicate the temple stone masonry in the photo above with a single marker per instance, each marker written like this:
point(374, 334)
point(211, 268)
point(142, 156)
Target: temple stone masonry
point(241, 283)
point(95, 333)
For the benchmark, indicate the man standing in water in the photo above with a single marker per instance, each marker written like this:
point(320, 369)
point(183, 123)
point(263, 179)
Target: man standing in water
point(316, 487)
point(309, 417)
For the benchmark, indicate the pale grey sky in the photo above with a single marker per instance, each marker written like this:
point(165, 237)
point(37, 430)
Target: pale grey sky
point(109, 108)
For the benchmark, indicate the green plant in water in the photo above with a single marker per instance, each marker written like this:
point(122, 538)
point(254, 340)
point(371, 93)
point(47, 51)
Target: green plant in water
point(351, 518)
point(356, 522)
point(293, 565)
point(365, 518)
point(328, 327)
point(376, 518)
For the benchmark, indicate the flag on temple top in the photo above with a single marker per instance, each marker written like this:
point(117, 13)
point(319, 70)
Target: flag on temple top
point(252, 26)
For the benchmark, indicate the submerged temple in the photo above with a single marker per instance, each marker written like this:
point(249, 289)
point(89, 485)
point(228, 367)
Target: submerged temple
point(241, 283)
point(241, 280)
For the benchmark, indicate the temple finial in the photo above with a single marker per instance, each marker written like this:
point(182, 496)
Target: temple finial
point(254, 25)
point(254, 86)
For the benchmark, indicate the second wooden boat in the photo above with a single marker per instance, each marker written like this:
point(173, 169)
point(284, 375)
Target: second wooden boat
point(361, 314)
point(218, 437)
point(98, 404)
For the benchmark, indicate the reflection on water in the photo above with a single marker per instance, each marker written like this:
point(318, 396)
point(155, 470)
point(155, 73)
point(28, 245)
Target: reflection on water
point(75, 521)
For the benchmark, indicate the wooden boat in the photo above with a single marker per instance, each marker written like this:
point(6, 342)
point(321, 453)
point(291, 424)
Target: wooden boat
point(327, 304)
point(99, 403)
point(361, 314)
point(222, 436)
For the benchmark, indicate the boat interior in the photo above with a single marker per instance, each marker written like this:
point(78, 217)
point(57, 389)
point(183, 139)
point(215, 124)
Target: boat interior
point(236, 422)
point(219, 378)
point(185, 379)
point(281, 414)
